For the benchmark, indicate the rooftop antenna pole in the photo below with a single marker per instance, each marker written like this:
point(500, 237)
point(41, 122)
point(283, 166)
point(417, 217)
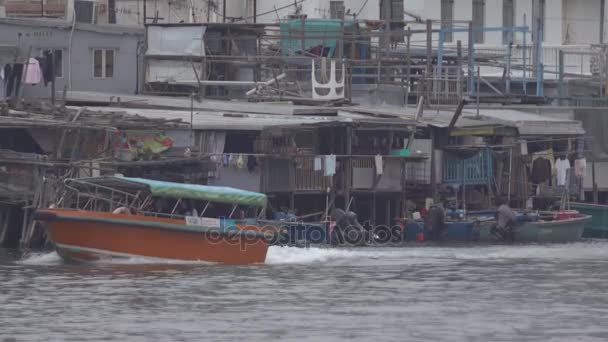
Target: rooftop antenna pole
point(224, 20)
point(602, 19)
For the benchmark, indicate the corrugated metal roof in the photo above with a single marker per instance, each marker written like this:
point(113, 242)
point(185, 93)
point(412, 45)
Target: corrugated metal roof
point(240, 115)
point(210, 120)
point(150, 101)
point(526, 123)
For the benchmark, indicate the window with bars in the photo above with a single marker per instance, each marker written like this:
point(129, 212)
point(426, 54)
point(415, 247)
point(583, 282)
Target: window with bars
point(538, 18)
point(103, 63)
point(479, 11)
point(447, 16)
point(508, 19)
point(392, 10)
point(336, 9)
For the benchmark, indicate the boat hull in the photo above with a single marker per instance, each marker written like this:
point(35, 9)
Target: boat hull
point(598, 226)
point(561, 231)
point(87, 236)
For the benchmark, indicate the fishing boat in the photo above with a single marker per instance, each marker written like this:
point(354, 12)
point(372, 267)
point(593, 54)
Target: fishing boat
point(108, 217)
point(533, 227)
point(598, 226)
point(541, 227)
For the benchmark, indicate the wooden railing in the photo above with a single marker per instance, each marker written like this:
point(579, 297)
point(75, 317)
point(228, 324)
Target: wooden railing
point(307, 178)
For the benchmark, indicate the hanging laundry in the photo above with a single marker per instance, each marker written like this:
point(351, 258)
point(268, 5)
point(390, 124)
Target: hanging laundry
point(215, 160)
point(544, 170)
point(580, 167)
point(33, 74)
point(48, 69)
point(240, 161)
point(580, 147)
point(7, 70)
point(13, 75)
point(330, 165)
point(317, 164)
point(562, 166)
point(379, 166)
point(226, 160)
point(2, 83)
point(233, 160)
point(523, 147)
point(252, 163)
point(541, 170)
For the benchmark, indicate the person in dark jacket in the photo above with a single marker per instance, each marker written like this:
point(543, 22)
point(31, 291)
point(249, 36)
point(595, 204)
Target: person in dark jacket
point(435, 221)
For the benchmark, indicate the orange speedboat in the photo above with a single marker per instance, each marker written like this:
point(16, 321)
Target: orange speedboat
point(107, 217)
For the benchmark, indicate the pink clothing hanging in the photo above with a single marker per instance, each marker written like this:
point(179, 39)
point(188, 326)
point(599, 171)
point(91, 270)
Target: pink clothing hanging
point(33, 74)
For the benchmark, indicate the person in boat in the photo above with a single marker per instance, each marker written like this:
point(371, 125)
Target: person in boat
point(190, 208)
point(436, 221)
point(347, 223)
point(506, 221)
point(122, 210)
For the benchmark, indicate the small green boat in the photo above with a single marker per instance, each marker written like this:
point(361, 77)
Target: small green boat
point(541, 231)
point(598, 226)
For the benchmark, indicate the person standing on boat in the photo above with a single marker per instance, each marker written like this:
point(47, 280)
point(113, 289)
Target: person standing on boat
point(506, 220)
point(436, 221)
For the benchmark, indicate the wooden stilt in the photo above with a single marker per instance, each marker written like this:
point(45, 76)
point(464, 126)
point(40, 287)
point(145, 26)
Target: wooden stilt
point(4, 220)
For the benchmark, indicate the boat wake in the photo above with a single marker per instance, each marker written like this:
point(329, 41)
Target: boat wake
point(41, 259)
point(409, 255)
point(441, 254)
point(294, 255)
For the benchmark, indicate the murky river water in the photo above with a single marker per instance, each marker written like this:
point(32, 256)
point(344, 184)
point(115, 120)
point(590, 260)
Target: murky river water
point(500, 293)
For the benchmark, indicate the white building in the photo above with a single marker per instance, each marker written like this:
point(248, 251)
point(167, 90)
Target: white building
point(564, 22)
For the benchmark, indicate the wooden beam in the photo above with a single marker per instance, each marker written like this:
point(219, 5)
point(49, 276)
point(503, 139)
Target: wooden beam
point(456, 116)
point(419, 112)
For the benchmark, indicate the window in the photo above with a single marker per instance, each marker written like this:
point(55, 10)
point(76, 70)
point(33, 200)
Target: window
point(538, 18)
point(112, 11)
point(447, 16)
point(84, 11)
point(336, 9)
point(103, 63)
point(57, 59)
point(479, 9)
point(392, 10)
point(508, 19)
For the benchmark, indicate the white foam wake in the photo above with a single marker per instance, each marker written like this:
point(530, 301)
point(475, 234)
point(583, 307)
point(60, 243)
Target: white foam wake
point(41, 259)
point(294, 255)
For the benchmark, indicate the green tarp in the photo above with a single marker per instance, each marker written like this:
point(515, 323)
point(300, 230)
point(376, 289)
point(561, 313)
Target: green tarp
point(217, 194)
point(317, 32)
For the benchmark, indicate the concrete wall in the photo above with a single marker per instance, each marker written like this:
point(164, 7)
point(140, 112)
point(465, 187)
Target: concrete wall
point(238, 178)
point(83, 44)
point(581, 21)
point(601, 176)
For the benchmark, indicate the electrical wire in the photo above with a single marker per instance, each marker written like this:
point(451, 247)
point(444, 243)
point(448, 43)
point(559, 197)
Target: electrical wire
point(362, 7)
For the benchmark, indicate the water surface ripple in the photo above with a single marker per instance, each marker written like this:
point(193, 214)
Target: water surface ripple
point(458, 293)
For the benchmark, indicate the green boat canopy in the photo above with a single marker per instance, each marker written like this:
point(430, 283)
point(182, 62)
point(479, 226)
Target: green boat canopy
point(217, 194)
